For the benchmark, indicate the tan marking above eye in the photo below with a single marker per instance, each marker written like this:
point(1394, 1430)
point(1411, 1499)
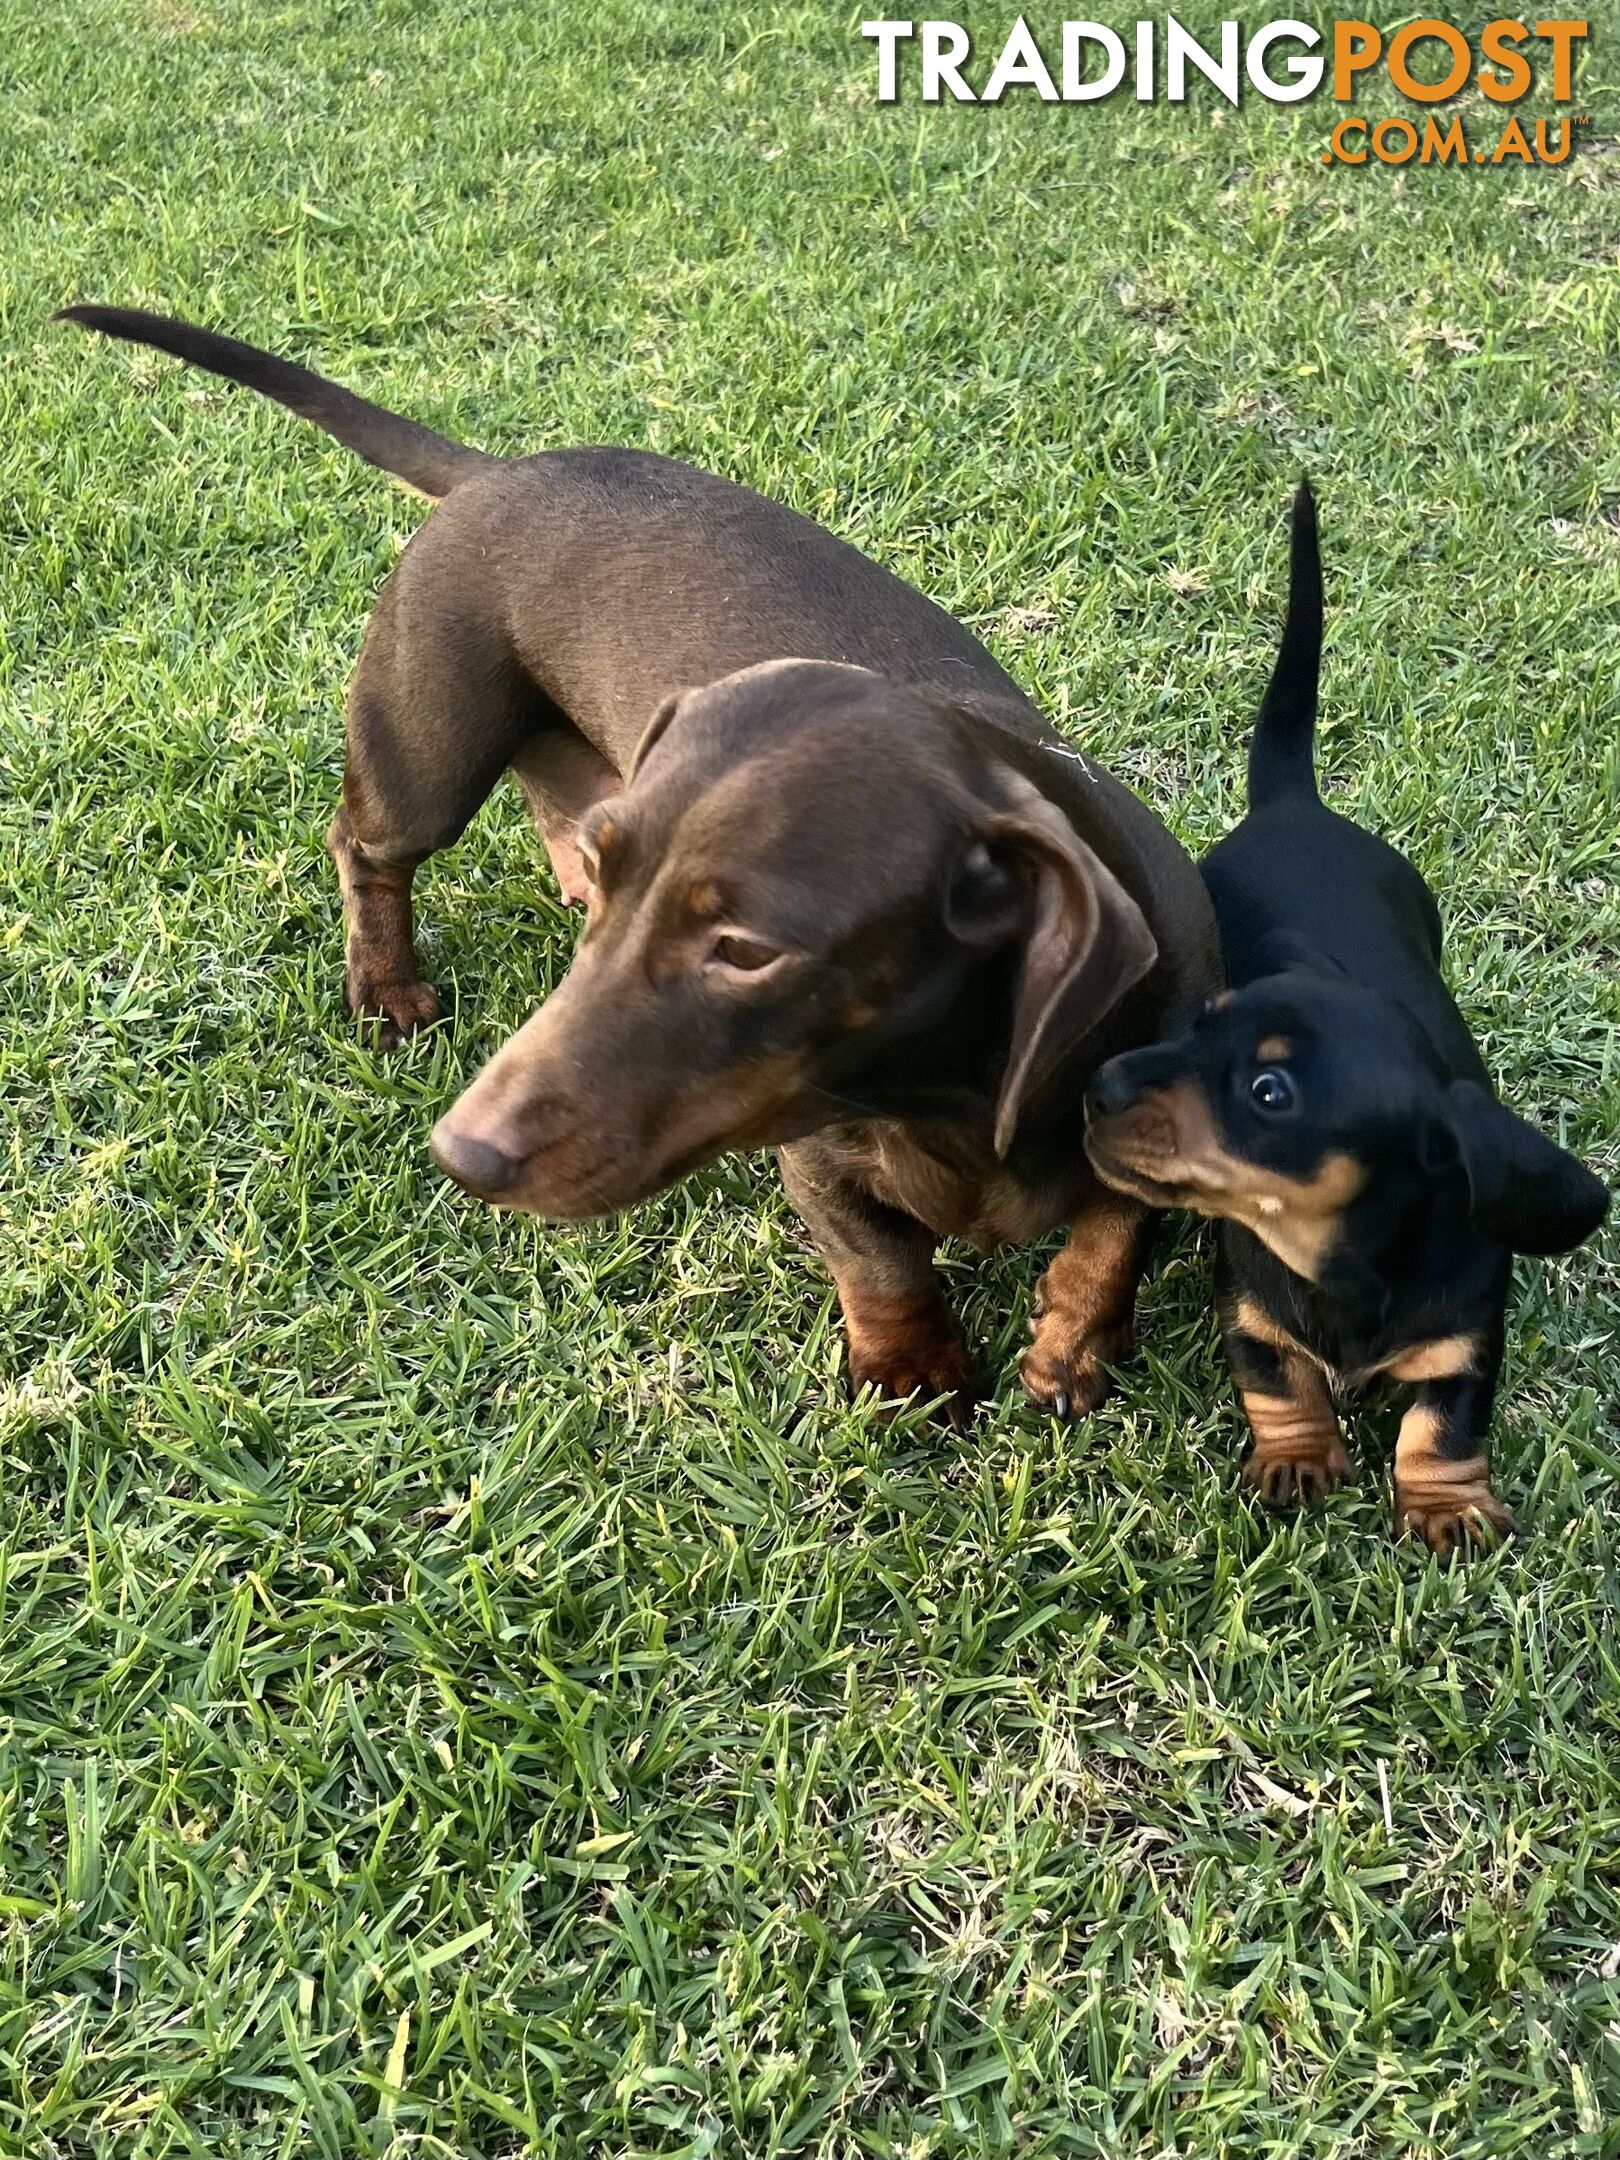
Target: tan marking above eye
point(704, 900)
point(857, 1016)
point(1275, 1050)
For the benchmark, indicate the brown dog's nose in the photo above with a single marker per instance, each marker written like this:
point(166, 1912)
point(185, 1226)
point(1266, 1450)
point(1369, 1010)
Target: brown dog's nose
point(473, 1164)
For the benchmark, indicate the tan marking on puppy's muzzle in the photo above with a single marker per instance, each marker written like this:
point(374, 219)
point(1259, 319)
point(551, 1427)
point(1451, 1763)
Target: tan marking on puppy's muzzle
point(1167, 1150)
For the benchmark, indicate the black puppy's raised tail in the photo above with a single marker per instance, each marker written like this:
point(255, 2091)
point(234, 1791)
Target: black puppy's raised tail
point(1282, 750)
point(432, 464)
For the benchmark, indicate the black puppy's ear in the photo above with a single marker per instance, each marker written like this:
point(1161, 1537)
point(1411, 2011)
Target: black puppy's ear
point(1086, 944)
point(653, 733)
point(1525, 1192)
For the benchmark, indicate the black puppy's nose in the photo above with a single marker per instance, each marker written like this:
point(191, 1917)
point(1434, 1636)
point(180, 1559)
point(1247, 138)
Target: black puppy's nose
point(473, 1164)
point(1112, 1091)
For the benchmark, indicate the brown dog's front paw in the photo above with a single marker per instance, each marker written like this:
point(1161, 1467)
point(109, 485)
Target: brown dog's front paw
point(402, 1008)
point(1068, 1377)
point(913, 1352)
point(1449, 1521)
point(1301, 1477)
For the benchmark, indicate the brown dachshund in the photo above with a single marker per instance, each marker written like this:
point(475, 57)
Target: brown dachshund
point(848, 895)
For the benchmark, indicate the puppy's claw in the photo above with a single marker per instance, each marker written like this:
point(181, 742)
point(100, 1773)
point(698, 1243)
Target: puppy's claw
point(1070, 1379)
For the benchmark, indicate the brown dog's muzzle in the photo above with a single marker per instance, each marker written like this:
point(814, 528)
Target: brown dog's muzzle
point(542, 1129)
point(593, 1105)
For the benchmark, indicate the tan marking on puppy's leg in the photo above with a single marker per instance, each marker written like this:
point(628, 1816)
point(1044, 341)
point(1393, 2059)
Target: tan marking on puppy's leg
point(1446, 1358)
point(1085, 1306)
point(1443, 1495)
point(902, 1337)
point(381, 981)
point(1297, 1454)
point(1253, 1319)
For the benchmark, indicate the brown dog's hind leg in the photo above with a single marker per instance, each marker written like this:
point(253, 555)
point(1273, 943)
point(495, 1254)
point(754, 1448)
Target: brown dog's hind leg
point(903, 1339)
point(1298, 1455)
point(438, 708)
point(1085, 1306)
point(1442, 1476)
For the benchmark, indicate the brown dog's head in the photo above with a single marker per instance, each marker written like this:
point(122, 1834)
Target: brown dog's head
point(1303, 1104)
point(819, 897)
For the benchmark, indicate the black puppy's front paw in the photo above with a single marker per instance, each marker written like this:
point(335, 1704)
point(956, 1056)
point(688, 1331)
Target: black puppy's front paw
point(1297, 1477)
point(1468, 1517)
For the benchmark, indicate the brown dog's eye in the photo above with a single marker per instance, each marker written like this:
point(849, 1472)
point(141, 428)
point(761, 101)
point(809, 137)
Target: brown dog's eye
point(744, 954)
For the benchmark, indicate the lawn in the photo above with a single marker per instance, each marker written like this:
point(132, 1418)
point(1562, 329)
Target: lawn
point(471, 1688)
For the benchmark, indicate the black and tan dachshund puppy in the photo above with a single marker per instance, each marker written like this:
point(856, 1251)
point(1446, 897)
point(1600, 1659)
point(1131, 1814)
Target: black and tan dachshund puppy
point(1332, 1110)
point(848, 895)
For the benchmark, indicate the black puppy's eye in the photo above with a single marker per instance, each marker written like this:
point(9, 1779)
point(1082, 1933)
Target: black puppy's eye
point(746, 955)
point(1273, 1091)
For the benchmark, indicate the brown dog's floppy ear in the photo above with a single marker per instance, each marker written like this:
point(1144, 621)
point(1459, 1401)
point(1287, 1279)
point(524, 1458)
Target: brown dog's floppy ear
point(1087, 944)
point(653, 733)
point(1524, 1191)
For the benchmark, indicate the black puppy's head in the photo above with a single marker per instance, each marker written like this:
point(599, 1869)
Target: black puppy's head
point(1303, 1097)
point(820, 888)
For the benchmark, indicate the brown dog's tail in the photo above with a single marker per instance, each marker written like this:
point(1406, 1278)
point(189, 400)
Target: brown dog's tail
point(425, 461)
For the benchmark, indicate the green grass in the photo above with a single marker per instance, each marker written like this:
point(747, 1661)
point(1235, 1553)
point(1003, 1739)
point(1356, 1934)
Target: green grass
point(469, 1688)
